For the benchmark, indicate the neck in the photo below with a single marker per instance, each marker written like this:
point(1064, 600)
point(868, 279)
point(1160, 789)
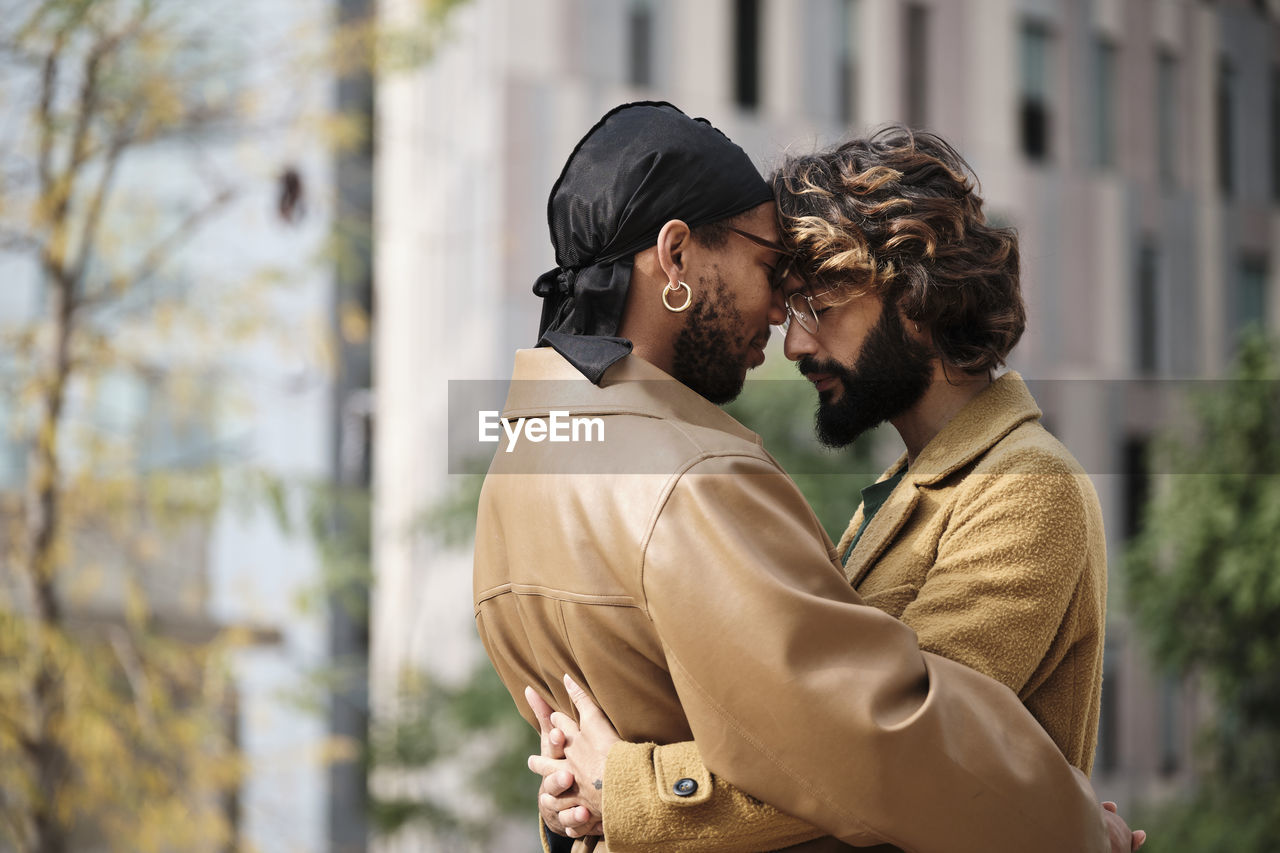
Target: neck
point(650, 327)
point(941, 402)
point(646, 345)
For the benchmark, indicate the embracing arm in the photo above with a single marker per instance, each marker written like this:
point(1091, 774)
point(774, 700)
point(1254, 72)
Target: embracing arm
point(644, 812)
point(691, 823)
point(746, 597)
point(658, 797)
point(1007, 568)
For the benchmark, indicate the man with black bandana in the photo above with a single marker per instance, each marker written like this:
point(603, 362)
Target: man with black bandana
point(675, 572)
point(601, 214)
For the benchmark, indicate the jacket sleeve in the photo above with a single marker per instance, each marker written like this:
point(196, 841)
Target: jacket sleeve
point(1005, 572)
point(642, 813)
point(1006, 569)
point(827, 709)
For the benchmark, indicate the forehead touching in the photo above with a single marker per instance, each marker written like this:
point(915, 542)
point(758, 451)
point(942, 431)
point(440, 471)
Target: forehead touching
point(761, 220)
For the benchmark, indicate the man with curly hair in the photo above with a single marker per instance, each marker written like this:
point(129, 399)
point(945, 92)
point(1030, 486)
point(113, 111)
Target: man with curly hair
point(985, 537)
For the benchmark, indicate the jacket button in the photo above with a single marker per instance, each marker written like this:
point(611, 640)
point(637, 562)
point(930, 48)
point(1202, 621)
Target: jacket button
point(685, 788)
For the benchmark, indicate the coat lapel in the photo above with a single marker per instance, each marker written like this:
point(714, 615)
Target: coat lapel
point(884, 526)
point(987, 419)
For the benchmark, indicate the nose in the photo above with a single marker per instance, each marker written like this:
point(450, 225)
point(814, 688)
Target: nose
point(798, 343)
point(777, 309)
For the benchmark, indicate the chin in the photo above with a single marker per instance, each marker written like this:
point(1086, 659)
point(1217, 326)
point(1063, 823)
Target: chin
point(726, 393)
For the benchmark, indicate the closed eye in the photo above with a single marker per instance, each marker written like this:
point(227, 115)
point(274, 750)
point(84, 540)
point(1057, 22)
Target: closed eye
point(774, 283)
point(820, 305)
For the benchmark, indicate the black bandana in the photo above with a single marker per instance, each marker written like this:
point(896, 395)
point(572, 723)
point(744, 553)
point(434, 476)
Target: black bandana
point(642, 165)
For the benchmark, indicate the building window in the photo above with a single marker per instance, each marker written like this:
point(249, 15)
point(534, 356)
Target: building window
point(847, 62)
point(1033, 106)
point(640, 44)
point(1104, 108)
point(746, 62)
point(916, 73)
point(1167, 117)
point(1146, 309)
point(1251, 294)
point(1223, 117)
point(1275, 133)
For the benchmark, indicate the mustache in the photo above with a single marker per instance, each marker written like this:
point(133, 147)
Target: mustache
point(809, 364)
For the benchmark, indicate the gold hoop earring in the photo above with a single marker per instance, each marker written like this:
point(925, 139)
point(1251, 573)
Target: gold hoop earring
point(688, 296)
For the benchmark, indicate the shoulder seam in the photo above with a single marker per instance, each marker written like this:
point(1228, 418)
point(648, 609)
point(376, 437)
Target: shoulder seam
point(665, 495)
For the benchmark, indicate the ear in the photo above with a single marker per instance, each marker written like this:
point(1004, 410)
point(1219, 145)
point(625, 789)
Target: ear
point(913, 329)
point(673, 242)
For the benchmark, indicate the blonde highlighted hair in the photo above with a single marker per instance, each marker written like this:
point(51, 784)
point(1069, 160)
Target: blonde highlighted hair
point(897, 214)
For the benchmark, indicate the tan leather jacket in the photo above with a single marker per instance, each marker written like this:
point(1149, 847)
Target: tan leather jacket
point(676, 572)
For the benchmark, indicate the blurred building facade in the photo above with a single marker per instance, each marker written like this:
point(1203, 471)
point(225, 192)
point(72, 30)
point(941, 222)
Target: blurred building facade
point(1135, 144)
point(286, 403)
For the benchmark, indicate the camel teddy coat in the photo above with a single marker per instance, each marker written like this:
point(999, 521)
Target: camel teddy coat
point(991, 547)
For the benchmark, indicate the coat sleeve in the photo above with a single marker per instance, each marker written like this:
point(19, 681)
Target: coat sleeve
point(1006, 570)
point(827, 709)
point(642, 815)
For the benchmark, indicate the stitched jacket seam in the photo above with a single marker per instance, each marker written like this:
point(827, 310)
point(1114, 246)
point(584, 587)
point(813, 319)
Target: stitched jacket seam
point(664, 497)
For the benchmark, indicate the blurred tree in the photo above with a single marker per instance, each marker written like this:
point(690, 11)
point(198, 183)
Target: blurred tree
point(113, 727)
point(467, 734)
point(1203, 584)
point(117, 716)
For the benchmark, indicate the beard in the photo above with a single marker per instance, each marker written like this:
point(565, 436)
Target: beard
point(889, 376)
point(709, 356)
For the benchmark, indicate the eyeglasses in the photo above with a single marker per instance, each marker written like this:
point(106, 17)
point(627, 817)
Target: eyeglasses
point(786, 260)
point(800, 307)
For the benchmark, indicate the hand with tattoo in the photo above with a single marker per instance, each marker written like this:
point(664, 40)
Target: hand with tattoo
point(572, 751)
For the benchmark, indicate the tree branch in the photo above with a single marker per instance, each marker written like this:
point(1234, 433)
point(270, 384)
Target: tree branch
point(161, 252)
point(44, 112)
point(136, 674)
point(93, 216)
point(85, 110)
point(81, 151)
point(58, 189)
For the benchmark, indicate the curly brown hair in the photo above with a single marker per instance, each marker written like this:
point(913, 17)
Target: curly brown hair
point(897, 214)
